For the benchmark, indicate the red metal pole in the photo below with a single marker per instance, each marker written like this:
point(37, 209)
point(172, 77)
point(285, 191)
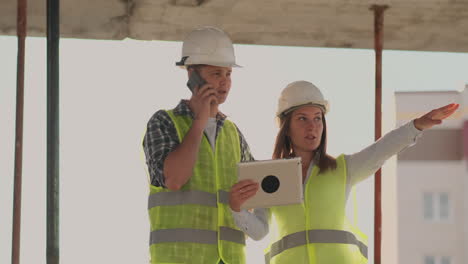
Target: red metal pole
point(378, 46)
point(21, 32)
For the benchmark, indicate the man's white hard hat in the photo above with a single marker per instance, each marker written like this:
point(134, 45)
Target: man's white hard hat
point(208, 45)
point(298, 94)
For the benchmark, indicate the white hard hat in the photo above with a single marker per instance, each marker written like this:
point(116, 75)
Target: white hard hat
point(298, 94)
point(208, 45)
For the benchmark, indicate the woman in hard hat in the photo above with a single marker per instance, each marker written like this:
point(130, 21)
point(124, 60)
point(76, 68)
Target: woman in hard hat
point(317, 231)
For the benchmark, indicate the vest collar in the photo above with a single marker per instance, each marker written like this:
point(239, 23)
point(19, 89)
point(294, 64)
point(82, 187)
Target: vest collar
point(183, 109)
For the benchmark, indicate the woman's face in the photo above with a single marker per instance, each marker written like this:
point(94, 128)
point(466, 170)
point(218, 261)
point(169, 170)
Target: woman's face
point(306, 128)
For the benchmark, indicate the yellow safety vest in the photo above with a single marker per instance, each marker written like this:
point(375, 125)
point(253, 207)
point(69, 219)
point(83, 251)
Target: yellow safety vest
point(317, 231)
point(194, 224)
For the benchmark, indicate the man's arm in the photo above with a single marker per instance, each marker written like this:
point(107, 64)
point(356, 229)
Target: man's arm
point(160, 139)
point(178, 166)
point(170, 162)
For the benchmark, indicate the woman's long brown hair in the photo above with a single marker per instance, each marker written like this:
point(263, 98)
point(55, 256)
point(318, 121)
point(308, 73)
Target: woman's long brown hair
point(283, 145)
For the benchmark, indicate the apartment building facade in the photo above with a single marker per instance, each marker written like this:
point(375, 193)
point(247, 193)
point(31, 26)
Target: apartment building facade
point(432, 183)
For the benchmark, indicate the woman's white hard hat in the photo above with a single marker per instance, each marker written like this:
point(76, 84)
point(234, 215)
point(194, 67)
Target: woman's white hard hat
point(298, 94)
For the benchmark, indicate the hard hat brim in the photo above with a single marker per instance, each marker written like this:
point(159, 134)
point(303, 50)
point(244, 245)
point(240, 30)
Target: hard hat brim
point(323, 107)
point(232, 65)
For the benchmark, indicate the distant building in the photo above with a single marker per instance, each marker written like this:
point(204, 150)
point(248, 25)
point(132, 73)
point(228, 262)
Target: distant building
point(432, 183)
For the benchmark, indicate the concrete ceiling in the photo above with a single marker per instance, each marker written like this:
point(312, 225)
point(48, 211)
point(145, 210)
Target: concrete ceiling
point(427, 25)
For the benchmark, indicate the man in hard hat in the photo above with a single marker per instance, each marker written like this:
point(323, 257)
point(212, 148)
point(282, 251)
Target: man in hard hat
point(191, 152)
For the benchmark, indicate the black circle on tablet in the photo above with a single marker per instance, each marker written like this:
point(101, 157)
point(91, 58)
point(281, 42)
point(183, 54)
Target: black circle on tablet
point(270, 184)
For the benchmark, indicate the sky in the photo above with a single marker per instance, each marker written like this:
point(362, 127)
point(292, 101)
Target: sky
point(110, 89)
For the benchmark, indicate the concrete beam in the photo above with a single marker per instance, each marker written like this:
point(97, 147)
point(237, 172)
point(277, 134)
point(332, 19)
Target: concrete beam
point(106, 19)
point(427, 25)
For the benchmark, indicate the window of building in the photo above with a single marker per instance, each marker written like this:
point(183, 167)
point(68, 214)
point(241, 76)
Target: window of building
point(443, 206)
point(428, 259)
point(436, 206)
point(428, 207)
point(445, 260)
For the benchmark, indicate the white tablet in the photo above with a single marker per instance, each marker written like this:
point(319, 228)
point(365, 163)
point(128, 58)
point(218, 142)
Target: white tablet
point(280, 182)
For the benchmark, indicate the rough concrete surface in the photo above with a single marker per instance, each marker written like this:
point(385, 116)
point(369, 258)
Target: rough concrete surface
point(429, 25)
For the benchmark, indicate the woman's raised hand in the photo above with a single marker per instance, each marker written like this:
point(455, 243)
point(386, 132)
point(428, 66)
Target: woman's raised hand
point(435, 116)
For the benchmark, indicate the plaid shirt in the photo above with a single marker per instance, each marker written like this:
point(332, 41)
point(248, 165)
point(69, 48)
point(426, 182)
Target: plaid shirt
point(161, 138)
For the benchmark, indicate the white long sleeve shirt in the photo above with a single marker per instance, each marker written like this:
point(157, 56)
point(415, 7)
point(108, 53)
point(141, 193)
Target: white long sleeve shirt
point(360, 166)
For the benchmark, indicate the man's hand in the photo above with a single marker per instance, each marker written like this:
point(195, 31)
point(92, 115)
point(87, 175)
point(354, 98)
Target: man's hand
point(201, 102)
point(435, 116)
point(241, 192)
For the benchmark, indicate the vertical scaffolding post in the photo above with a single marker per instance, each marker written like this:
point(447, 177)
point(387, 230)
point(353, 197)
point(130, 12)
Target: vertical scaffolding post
point(21, 22)
point(53, 36)
point(378, 46)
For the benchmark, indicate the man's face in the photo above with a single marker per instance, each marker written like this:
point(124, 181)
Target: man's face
point(219, 78)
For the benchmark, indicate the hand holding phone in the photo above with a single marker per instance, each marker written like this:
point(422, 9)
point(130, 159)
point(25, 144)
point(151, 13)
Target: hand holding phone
point(195, 80)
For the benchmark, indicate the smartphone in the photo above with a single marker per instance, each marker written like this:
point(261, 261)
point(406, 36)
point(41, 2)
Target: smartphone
point(195, 80)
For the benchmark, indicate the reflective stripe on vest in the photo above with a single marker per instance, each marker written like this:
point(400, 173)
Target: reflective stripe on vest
point(197, 235)
point(223, 197)
point(315, 236)
point(187, 197)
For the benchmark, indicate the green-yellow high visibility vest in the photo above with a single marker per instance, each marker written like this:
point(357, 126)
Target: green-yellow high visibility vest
point(195, 224)
point(317, 231)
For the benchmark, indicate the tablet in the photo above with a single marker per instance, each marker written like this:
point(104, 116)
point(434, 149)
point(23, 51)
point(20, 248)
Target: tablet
point(280, 182)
